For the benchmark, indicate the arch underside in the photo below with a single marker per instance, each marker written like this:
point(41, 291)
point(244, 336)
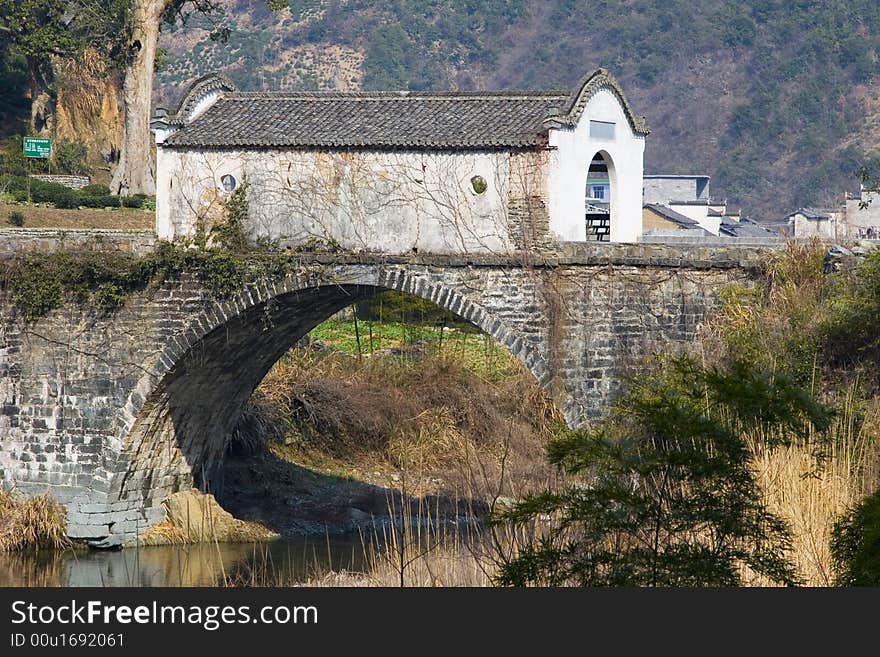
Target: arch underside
point(181, 429)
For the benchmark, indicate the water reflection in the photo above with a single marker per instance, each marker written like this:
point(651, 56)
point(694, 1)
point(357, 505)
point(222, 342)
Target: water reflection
point(274, 563)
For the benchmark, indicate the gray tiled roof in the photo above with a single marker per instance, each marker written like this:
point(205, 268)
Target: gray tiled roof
point(744, 228)
point(814, 213)
point(373, 120)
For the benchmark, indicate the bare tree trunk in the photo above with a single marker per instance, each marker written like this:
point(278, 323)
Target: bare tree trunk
point(42, 103)
point(135, 172)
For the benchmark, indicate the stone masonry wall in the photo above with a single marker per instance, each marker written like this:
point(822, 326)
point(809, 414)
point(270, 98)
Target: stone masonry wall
point(110, 414)
point(74, 182)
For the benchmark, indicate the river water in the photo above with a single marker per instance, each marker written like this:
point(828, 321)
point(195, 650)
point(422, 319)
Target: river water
point(281, 562)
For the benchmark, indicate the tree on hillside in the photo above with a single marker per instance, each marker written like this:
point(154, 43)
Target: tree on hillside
point(36, 30)
point(135, 172)
point(50, 35)
point(125, 33)
point(662, 491)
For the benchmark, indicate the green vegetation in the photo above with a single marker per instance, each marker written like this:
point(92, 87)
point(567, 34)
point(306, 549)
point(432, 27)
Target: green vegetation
point(664, 493)
point(67, 158)
point(414, 341)
point(855, 544)
point(394, 306)
point(851, 320)
point(40, 283)
point(70, 158)
point(23, 190)
point(15, 219)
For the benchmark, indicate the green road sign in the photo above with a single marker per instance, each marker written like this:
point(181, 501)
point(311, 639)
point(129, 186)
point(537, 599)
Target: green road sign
point(36, 147)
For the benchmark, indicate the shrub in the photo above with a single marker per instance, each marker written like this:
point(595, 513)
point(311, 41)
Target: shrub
point(665, 494)
point(14, 183)
point(855, 544)
point(16, 218)
point(852, 326)
point(70, 157)
point(95, 190)
point(100, 201)
point(46, 192)
point(136, 201)
point(68, 201)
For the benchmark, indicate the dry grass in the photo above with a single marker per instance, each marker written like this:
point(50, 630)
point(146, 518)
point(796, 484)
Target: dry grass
point(194, 517)
point(435, 416)
point(38, 216)
point(811, 484)
point(808, 485)
point(36, 523)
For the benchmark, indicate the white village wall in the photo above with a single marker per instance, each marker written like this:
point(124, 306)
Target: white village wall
point(863, 218)
point(805, 228)
point(699, 212)
point(390, 202)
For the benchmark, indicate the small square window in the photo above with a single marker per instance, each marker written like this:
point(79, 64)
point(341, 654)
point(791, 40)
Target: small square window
point(601, 130)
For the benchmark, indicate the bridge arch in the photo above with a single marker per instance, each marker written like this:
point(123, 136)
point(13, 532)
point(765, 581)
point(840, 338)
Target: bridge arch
point(172, 431)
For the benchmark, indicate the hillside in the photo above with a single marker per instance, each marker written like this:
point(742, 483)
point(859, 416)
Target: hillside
point(777, 101)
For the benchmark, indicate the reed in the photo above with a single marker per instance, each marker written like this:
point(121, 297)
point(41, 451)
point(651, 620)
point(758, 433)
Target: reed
point(812, 483)
point(32, 523)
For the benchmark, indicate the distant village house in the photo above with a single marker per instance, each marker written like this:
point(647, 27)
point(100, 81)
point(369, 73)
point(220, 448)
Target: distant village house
point(680, 206)
point(863, 214)
point(821, 223)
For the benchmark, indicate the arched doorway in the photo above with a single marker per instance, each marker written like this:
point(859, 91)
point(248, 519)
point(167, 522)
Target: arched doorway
point(597, 199)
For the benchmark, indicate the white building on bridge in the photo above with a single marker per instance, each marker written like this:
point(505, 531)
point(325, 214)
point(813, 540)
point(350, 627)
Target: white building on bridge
point(402, 172)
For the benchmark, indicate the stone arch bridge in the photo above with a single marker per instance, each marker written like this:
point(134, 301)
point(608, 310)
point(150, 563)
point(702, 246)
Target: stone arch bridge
point(111, 414)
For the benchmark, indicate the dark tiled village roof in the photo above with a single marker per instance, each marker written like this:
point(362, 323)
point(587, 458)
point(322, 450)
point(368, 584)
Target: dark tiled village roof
point(383, 120)
point(744, 228)
point(813, 213)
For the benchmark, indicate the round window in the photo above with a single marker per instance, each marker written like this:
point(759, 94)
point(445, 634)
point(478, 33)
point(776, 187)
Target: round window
point(479, 184)
point(228, 183)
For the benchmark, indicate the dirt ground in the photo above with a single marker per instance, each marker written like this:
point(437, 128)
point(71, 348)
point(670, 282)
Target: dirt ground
point(38, 216)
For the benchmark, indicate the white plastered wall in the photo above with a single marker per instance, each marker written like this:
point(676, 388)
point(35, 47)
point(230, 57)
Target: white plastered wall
point(805, 228)
point(388, 202)
point(699, 212)
point(572, 150)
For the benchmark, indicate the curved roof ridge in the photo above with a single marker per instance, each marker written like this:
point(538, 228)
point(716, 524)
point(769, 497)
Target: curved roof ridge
point(591, 83)
point(196, 91)
point(388, 119)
